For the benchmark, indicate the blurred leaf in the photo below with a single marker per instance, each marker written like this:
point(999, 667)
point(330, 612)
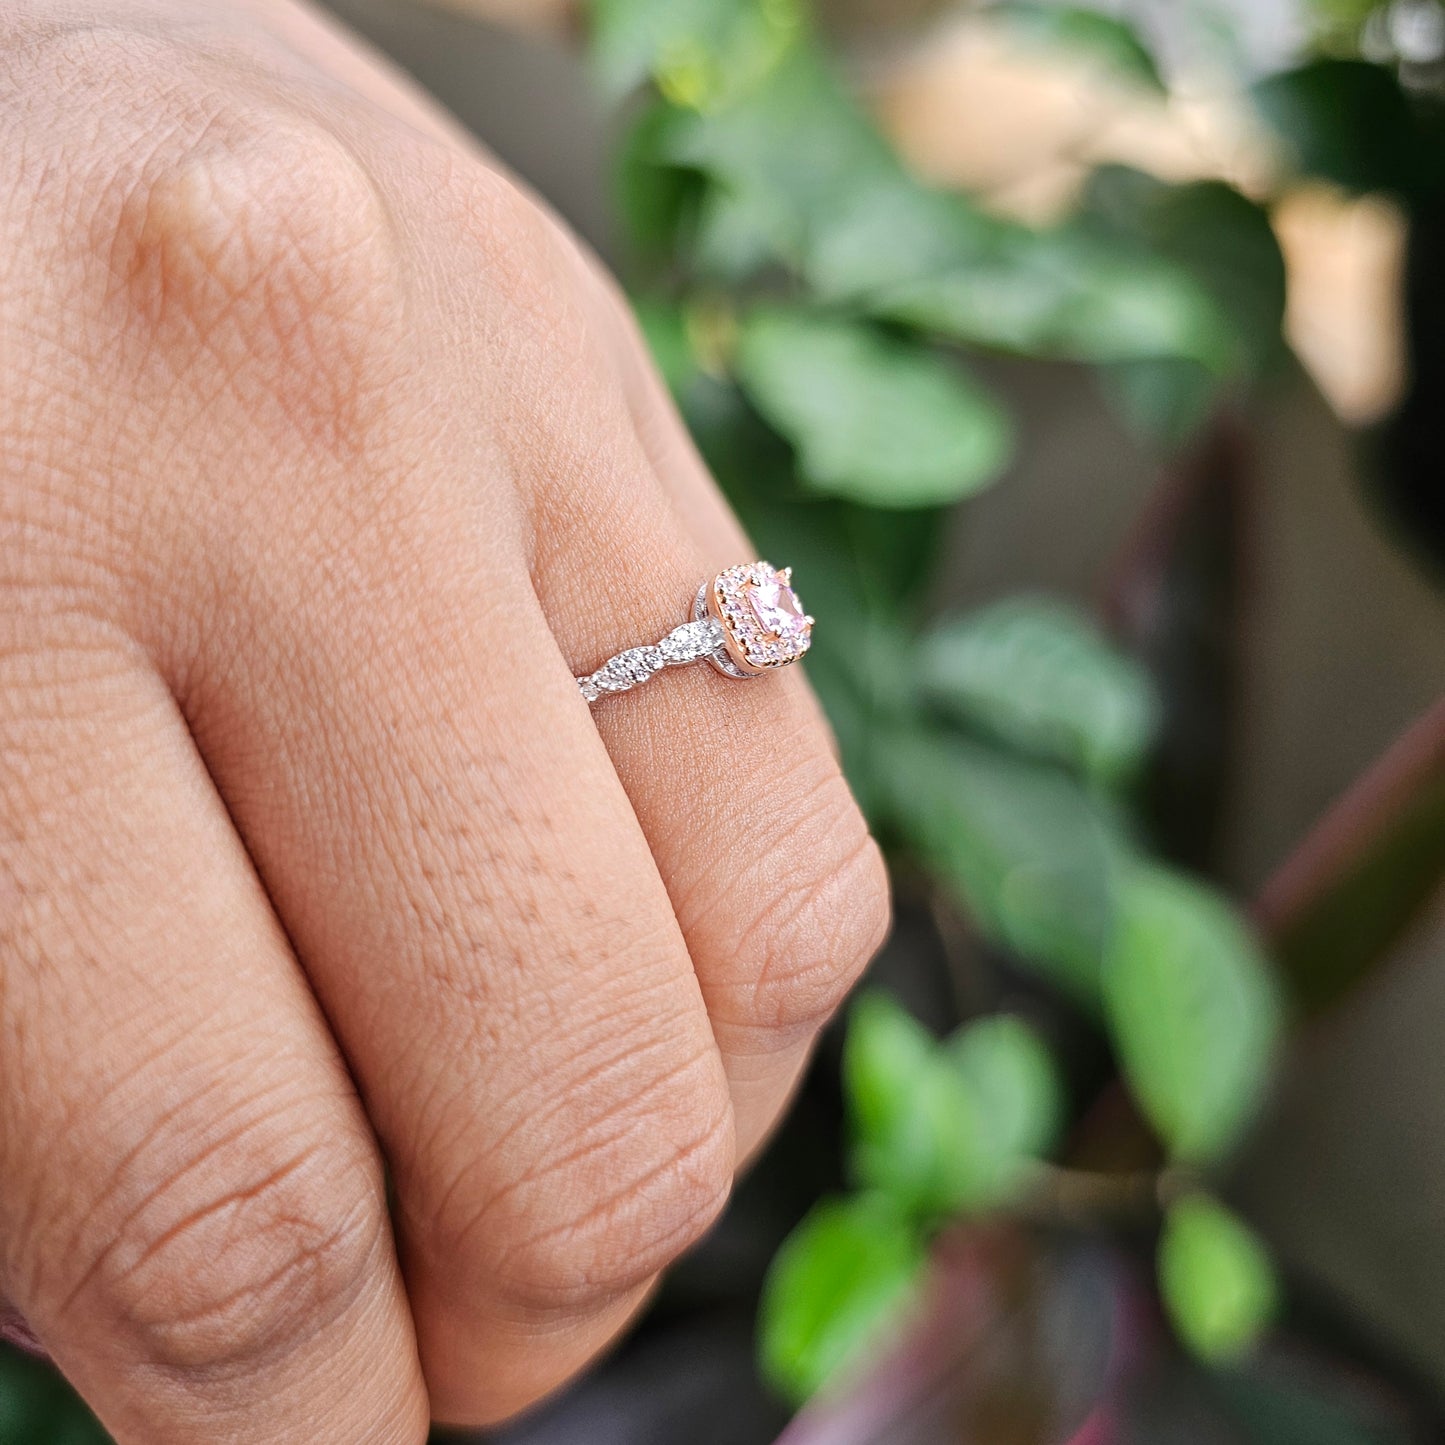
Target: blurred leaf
point(1226, 243)
point(1028, 852)
point(838, 1288)
point(1221, 238)
point(1192, 1009)
point(1069, 294)
point(1012, 1077)
point(696, 50)
point(886, 230)
point(836, 206)
point(37, 1406)
point(1164, 401)
point(1345, 898)
point(664, 328)
point(873, 419)
point(914, 1122)
point(946, 1130)
point(1039, 676)
point(1215, 1278)
point(1349, 122)
point(1341, 20)
point(653, 196)
point(1076, 31)
point(735, 236)
point(1014, 1343)
point(796, 191)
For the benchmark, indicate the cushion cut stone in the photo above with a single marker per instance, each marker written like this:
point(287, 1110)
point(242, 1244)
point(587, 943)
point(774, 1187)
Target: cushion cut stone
point(776, 606)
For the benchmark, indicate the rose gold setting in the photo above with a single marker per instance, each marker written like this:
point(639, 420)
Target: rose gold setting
point(745, 622)
point(751, 643)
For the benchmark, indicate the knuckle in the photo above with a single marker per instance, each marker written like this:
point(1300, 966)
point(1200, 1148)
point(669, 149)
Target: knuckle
point(822, 913)
point(242, 1253)
point(534, 278)
point(620, 1197)
point(498, 218)
point(216, 239)
point(264, 251)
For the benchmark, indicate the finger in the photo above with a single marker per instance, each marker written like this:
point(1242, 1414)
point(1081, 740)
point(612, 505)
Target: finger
point(777, 886)
point(192, 1216)
point(375, 689)
point(480, 915)
point(780, 892)
point(406, 756)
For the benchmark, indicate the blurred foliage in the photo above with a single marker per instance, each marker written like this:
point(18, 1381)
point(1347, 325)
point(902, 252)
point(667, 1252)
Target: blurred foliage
point(839, 1283)
point(1192, 1010)
point(1033, 673)
point(1351, 122)
point(1405, 36)
point(819, 314)
point(872, 419)
point(1215, 1278)
point(38, 1408)
point(944, 1129)
point(1081, 33)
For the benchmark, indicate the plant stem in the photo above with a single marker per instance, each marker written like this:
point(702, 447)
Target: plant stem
point(1064, 1198)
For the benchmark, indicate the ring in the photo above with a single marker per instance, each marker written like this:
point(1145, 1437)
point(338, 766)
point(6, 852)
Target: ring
point(746, 622)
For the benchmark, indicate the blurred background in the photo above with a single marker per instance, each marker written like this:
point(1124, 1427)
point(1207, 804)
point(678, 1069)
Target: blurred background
point(1088, 362)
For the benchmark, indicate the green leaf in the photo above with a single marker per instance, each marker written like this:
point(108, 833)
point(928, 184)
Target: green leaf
point(839, 1287)
point(735, 236)
point(1192, 1008)
point(1064, 293)
point(1350, 122)
point(791, 193)
point(1029, 853)
point(38, 1407)
point(1164, 401)
point(654, 197)
point(1012, 1077)
point(915, 1126)
point(1039, 676)
point(1215, 1278)
point(1339, 24)
point(946, 1129)
point(836, 206)
point(664, 328)
point(873, 419)
point(1078, 31)
point(697, 51)
point(1222, 239)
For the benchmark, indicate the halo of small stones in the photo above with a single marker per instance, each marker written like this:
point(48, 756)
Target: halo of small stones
point(755, 644)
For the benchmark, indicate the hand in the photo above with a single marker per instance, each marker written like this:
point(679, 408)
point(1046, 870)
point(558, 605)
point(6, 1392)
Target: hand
point(326, 459)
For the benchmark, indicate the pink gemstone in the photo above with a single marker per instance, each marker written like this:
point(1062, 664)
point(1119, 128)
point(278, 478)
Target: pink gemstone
point(776, 606)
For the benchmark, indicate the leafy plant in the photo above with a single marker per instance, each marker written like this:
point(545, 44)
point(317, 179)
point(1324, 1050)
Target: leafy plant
point(820, 314)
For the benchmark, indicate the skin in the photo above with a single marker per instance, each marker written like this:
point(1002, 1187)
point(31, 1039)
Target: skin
point(326, 458)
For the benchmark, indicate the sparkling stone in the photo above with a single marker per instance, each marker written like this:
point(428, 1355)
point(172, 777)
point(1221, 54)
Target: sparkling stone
point(776, 606)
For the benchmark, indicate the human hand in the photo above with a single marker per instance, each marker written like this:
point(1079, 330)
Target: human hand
point(326, 460)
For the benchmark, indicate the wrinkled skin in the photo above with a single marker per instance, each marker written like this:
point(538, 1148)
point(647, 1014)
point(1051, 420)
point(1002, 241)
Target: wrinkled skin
point(376, 1021)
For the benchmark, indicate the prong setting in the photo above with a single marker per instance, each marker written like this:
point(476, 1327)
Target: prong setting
point(763, 622)
point(745, 622)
